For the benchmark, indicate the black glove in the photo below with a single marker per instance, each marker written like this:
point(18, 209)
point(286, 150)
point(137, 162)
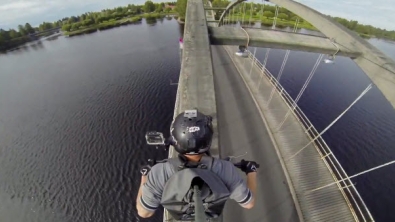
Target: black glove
point(248, 166)
point(145, 170)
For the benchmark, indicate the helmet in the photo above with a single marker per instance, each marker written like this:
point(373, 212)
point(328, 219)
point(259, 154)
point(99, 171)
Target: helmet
point(192, 132)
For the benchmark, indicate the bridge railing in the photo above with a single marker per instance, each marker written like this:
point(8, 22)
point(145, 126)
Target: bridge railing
point(345, 185)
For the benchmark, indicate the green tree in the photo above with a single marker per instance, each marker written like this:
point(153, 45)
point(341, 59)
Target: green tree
point(75, 26)
point(149, 6)
point(29, 28)
point(4, 35)
point(22, 30)
point(2, 40)
point(296, 17)
point(283, 10)
point(282, 16)
point(66, 27)
point(73, 19)
point(352, 25)
point(158, 8)
point(96, 19)
point(13, 34)
point(222, 4)
point(181, 8)
point(268, 14)
point(168, 9)
point(45, 26)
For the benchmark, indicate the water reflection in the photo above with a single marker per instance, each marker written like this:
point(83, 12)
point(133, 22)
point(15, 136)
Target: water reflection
point(37, 45)
point(181, 29)
point(151, 21)
point(54, 37)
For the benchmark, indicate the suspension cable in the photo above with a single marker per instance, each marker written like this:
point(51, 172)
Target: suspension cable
point(334, 121)
point(264, 66)
point(249, 22)
point(355, 175)
point(233, 15)
point(253, 60)
point(279, 76)
point(296, 24)
point(262, 13)
point(275, 18)
point(229, 16)
point(248, 37)
point(244, 13)
point(294, 104)
point(240, 14)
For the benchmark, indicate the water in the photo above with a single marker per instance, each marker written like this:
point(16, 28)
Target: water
point(73, 116)
point(364, 136)
point(73, 113)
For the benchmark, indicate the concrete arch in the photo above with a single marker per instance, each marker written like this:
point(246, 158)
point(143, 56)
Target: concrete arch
point(377, 66)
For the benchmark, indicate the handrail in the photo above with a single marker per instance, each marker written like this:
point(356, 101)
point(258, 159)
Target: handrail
point(345, 185)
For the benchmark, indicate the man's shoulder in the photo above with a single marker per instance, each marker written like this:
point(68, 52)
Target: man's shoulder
point(222, 162)
point(224, 168)
point(165, 166)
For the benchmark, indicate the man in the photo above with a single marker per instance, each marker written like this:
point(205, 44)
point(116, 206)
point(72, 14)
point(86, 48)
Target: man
point(191, 134)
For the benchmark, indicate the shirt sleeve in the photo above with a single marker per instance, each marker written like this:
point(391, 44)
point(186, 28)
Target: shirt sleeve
point(153, 188)
point(238, 186)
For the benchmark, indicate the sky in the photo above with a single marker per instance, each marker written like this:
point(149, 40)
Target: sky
point(378, 13)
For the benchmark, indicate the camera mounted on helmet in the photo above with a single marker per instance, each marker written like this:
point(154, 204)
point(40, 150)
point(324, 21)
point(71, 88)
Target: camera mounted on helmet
point(191, 133)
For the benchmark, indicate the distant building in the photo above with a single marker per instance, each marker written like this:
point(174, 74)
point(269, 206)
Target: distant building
point(169, 6)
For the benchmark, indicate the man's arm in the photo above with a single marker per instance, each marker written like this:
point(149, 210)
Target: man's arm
point(142, 212)
point(150, 192)
point(242, 192)
point(251, 183)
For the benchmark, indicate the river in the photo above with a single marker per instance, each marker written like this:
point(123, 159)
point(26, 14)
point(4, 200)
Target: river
point(74, 111)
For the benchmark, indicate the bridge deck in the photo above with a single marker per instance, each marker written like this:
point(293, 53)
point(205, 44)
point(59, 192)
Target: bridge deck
point(241, 129)
point(306, 170)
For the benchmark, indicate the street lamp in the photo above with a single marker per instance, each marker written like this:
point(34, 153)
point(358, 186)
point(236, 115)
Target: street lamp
point(331, 58)
point(242, 51)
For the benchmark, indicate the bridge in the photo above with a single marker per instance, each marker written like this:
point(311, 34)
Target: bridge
point(300, 179)
point(36, 35)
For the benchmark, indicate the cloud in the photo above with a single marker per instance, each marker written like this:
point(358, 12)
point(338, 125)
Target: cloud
point(15, 12)
point(378, 13)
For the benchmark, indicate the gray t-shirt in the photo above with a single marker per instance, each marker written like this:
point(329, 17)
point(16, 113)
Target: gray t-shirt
point(161, 172)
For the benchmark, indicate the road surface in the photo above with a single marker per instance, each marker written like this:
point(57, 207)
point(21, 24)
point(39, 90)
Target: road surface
point(241, 130)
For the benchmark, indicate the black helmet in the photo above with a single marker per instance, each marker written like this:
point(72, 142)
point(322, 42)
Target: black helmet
point(192, 132)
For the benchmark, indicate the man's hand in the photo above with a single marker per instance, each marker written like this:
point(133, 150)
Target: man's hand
point(248, 166)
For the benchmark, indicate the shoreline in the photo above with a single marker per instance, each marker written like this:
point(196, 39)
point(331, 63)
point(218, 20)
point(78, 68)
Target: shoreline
point(117, 23)
point(267, 22)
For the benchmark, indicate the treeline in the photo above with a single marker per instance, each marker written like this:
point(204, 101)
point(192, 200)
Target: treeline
point(111, 15)
point(105, 18)
point(12, 38)
point(285, 15)
point(366, 30)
